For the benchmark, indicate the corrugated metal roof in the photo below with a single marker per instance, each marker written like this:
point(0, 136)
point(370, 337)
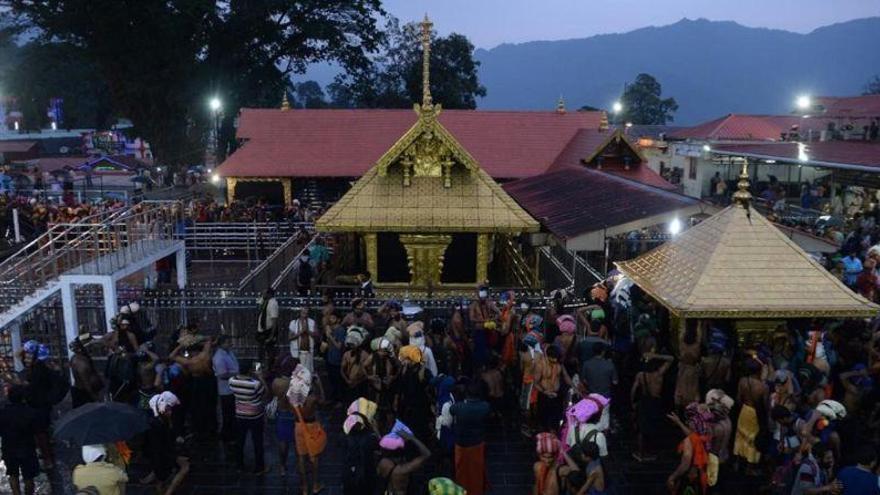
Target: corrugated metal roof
point(573, 201)
point(859, 153)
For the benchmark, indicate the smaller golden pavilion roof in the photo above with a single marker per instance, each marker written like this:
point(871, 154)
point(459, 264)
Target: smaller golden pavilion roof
point(426, 182)
point(736, 264)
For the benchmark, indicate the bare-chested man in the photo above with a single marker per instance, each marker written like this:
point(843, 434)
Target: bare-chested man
point(716, 368)
point(494, 380)
point(87, 382)
point(395, 470)
point(549, 377)
point(354, 363)
point(649, 406)
point(198, 365)
point(751, 392)
point(382, 371)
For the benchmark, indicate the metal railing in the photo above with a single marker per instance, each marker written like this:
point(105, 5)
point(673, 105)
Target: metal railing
point(44, 246)
point(288, 269)
point(522, 273)
point(237, 241)
point(100, 244)
point(579, 266)
point(264, 274)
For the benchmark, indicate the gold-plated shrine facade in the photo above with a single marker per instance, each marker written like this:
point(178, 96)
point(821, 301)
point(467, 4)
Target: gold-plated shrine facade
point(429, 201)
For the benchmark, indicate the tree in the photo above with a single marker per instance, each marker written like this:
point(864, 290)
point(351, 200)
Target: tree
point(308, 94)
point(41, 71)
point(394, 78)
point(873, 86)
point(588, 108)
point(162, 60)
point(643, 105)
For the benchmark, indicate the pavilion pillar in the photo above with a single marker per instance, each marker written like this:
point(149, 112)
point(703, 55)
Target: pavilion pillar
point(483, 252)
point(287, 184)
point(230, 189)
point(678, 325)
point(371, 246)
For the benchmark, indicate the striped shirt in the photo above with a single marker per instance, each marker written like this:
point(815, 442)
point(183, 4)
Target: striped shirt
point(248, 394)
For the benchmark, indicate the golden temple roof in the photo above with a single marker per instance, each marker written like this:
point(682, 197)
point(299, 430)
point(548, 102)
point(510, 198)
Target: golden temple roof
point(736, 264)
point(473, 203)
point(426, 182)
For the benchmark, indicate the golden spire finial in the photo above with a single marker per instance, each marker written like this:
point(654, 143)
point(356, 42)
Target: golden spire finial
point(426, 62)
point(603, 121)
point(742, 197)
point(560, 105)
point(285, 103)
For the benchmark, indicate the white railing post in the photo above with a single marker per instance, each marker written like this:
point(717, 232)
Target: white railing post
point(110, 301)
point(15, 225)
point(68, 309)
point(15, 337)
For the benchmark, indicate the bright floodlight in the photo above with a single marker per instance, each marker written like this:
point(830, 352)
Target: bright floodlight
point(215, 104)
point(675, 226)
point(215, 179)
point(617, 107)
point(54, 125)
point(803, 102)
point(707, 148)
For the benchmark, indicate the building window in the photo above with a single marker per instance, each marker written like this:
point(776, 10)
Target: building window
point(692, 168)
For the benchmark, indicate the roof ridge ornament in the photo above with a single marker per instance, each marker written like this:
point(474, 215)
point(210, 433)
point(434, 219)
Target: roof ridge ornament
point(560, 105)
point(285, 103)
point(742, 197)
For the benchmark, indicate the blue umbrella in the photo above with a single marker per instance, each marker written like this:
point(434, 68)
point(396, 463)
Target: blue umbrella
point(101, 422)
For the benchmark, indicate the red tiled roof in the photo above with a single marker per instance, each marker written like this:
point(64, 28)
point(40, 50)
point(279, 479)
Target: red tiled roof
point(345, 143)
point(740, 128)
point(857, 153)
point(573, 201)
point(849, 106)
point(586, 142)
point(583, 144)
point(16, 146)
point(734, 127)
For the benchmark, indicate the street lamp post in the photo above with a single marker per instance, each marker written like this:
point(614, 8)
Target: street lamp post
point(616, 109)
point(804, 103)
point(216, 107)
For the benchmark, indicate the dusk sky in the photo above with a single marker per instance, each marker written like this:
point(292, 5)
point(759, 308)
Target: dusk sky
point(491, 22)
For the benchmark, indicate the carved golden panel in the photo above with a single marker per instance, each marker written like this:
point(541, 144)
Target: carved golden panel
point(425, 256)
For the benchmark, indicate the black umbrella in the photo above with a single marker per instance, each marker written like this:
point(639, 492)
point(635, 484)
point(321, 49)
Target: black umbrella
point(101, 422)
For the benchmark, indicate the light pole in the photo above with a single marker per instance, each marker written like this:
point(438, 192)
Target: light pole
point(804, 103)
point(616, 109)
point(216, 107)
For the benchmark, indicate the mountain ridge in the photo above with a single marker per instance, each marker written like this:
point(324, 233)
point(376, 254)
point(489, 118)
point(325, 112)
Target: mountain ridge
point(712, 68)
